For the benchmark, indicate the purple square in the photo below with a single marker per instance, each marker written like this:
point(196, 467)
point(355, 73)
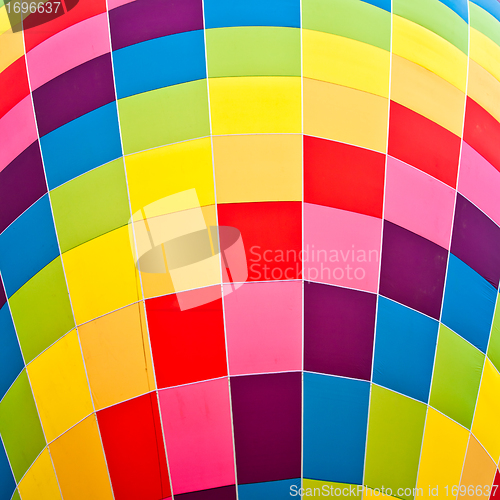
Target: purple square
point(339, 326)
point(74, 93)
point(267, 426)
point(476, 240)
point(142, 20)
point(22, 182)
point(413, 270)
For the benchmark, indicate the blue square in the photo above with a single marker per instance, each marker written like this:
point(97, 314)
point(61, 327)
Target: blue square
point(27, 245)
point(405, 343)
point(81, 145)
point(11, 360)
point(469, 303)
point(158, 63)
point(224, 13)
point(335, 420)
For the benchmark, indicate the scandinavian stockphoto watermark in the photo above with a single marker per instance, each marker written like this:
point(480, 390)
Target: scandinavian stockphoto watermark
point(359, 491)
point(178, 246)
point(351, 264)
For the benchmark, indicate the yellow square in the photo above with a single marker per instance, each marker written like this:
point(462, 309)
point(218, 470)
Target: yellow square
point(249, 105)
point(344, 61)
point(157, 173)
point(101, 275)
point(117, 356)
point(345, 115)
point(442, 457)
point(260, 167)
point(487, 417)
point(79, 462)
point(40, 482)
point(60, 386)
point(11, 47)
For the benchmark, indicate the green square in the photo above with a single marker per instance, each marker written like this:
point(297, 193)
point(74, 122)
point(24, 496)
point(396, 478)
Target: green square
point(253, 51)
point(91, 205)
point(20, 426)
point(494, 346)
point(456, 378)
point(41, 310)
point(395, 431)
point(164, 116)
point(436, 17)
point(350, 18)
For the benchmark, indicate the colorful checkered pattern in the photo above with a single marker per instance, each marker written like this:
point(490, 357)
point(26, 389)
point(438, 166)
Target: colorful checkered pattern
point(356, 147)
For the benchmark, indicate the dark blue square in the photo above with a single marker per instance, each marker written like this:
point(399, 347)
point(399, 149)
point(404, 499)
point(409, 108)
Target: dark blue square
point(11, 360)
point(81, 145)
point(27, 245)
point(405, 343)
point(469, 303)
point(158, 63)
point(335, 420)
point(223, 13)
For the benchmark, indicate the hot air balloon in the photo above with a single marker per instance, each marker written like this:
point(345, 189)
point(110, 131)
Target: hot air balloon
point(249, 249)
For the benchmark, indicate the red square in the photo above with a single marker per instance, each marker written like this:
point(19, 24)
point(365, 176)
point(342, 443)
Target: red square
point(188, 345)
point(272, 237)
point(482, 132)
point(343, 176)
point(420, 142)
point(13, 85)
point(133, 442)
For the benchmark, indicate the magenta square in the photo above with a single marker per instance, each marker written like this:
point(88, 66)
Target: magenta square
point(339, 326)
point(413, 270)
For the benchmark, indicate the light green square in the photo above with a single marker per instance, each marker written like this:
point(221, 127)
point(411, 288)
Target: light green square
point(484, 22)
point(494, 346)
point(395, 431)
point(253, 51)
point(91, 205)
point(164, 116)
point(456, 377)
point(41, 310)
point(350, 18)
point(20, 426)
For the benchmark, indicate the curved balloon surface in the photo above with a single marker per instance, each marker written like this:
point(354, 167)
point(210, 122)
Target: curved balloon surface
point(249, 249)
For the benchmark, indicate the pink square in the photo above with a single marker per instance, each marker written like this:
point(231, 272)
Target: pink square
point(264, 327)
point(479, 181)
point(341, 247)
point(67, 49)
point(17, 130)
point(418, 202)
point(198, 435)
